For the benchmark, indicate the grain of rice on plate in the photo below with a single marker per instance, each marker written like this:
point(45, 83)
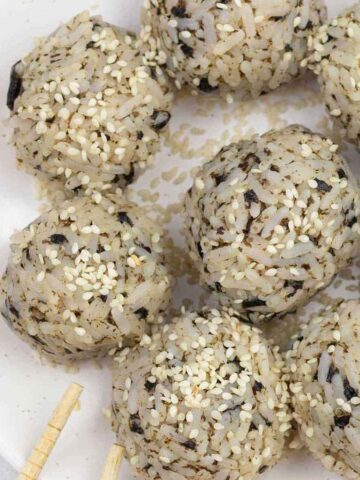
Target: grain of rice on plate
point(335, 59)
point(87, 114)
point(203, 399)
point(324, 366)
point(272, 219)
point(85, 278)
point(252, 46)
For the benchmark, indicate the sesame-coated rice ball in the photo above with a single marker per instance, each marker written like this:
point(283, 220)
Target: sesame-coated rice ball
point(272, 219)
point(325, 374)
point(86, 112)
point(335, 59)
point(203, 399)
point(84, 278)
point(251, 46)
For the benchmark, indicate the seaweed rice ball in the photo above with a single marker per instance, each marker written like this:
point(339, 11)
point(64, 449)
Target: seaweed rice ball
point(272, 219)
point(325, 386)
point(84, 278)
point(203, 399)
point(335, 59)
point(86, 112)
point(251, 46)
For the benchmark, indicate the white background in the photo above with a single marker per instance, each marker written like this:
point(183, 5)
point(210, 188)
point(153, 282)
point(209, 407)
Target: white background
point(28, 389)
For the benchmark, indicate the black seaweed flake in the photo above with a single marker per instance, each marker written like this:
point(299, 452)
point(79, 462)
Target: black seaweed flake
point(341, 173)
point(187, 50)
point(15, 87)
point(135, 425)
point(146, 248)
point(123, 217)
point(160, 118)
point(342, 421)
point(295, 285)
point(142, 312)
point(257, 387)
point(199, 248)
point(90, 45)
point(14, 311)
point(248, 162)
point(351, 222)
point(179, 12)
point(322, 186)
point(58, 239)
point(38, 340)
point(220, 179)
point(233, 409)
point(349, 391)
point(248, 226)
point(149, 386)
point(189, 444)
point(251, 197)
point(332, 371)
point(104, 298)
point(277, 18)
point(204, 86)
point(253, 302)
point(129, 177)
point(252, 427)
point(76, 190)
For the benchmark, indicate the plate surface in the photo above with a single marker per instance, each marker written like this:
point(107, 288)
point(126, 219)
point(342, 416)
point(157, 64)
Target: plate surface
point(29, 389)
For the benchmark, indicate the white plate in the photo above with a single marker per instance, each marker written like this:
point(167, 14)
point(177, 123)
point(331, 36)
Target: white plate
point(30, 390)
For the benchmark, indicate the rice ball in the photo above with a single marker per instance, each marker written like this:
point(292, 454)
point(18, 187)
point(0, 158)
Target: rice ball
point(272, 219)
point(203, 399)
point(85, 278)
point(334, 58)
point(86, 113)
point(252, 46)
point(325, 385)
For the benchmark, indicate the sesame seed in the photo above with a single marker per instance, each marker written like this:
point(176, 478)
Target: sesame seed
point(336, 112)
point(64, 113)
point(185, 34)
point(200, 185)
point(337, 335)
point(87, 295)
point(271, 272)
point(80, 331)
point(297, 21)
point(304, 238)
point(219, 426)
point(271, 249)
point(306, 151)
point(41, 128)
point(40, 277)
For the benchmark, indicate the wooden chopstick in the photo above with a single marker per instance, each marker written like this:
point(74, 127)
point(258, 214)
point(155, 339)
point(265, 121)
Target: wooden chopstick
point(45, 445)
point(113, 463)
